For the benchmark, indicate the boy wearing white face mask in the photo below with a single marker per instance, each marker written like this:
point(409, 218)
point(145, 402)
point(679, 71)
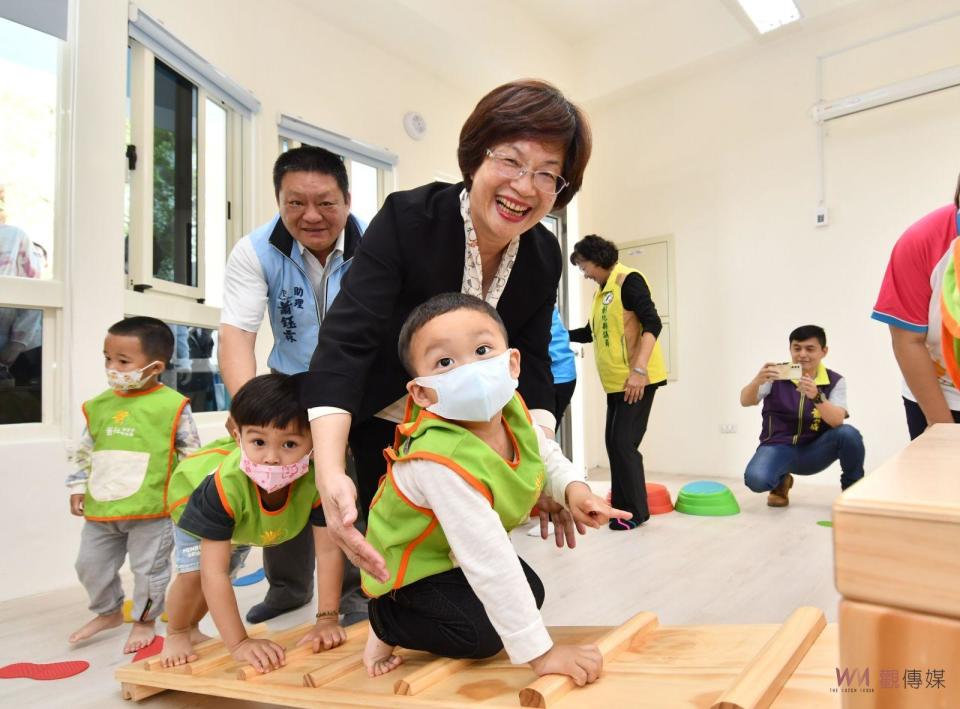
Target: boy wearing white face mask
point(125, 460)
point(256, 489)
point(466, 469)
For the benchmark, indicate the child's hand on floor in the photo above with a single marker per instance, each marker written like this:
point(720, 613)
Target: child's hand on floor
point(580, 662)
point(263, 655)
point(76, 505)
point(326, 634)
point(589, 509)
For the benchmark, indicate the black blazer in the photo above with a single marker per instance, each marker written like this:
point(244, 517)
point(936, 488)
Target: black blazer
point(413, 250)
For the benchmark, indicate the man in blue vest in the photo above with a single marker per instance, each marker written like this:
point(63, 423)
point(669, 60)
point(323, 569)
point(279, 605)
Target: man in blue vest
point(803, 430)
point(291, 267)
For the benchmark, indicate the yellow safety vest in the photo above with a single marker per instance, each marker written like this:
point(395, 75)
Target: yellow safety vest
point(616, 335)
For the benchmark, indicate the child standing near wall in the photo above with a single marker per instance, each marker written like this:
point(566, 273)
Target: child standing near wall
point(464, 473)
point(135, 432)
point(261, 492)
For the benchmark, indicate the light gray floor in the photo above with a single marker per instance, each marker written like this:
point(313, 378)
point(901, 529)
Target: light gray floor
point(755, 567)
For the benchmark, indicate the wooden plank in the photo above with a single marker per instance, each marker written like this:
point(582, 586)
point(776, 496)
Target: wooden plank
point(897, 561)
point(761, 681)
point(285, 695)
point(917, 483)
point(357, 630)
point(875, 639)
point(138, 692)
point(548, 689)
point(429, 675)
point(208, 650)
point(333, 671)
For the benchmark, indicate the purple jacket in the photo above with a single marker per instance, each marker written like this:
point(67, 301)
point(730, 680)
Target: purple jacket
point(789, 417)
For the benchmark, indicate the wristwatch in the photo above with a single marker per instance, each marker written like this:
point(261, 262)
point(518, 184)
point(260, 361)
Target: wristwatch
point(641, 371)
point(818, 399)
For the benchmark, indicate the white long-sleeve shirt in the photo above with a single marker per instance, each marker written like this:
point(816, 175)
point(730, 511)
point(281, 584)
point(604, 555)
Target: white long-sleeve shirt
point(481, 546)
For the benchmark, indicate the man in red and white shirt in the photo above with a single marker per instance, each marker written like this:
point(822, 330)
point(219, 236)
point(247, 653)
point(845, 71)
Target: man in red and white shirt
point(909, 302)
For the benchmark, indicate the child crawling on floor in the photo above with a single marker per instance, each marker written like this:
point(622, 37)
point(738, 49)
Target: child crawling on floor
point(467, 467)
point(254, 490)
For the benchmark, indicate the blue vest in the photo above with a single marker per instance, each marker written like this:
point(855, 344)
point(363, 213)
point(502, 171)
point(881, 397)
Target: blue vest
point(562, 363)
point(789, 417)
point(294, 311)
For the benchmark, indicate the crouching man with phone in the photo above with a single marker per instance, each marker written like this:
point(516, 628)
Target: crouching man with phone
point(804, 406)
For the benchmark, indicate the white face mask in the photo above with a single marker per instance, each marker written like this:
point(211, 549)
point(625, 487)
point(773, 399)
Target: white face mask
point(125, 381)
point(472, 392)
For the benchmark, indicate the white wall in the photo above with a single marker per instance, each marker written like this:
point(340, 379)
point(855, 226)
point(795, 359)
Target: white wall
point(724, 158)
point(342, 84)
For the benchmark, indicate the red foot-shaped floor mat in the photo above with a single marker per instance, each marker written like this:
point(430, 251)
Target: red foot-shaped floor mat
point(150, 650)
point(50, 670)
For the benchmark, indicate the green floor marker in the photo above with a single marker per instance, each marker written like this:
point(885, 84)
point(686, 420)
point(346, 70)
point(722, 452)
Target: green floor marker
point(825, 523)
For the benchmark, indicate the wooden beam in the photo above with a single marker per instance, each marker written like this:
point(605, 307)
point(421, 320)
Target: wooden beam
point(335, 670)
point(298, 652)
point(429, 675)
point(760, 681)
point(548, 689)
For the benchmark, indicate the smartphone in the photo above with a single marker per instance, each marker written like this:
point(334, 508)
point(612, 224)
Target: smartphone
point(789, 370)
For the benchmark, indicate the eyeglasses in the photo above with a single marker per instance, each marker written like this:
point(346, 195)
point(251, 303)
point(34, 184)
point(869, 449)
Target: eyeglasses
point(543, 180)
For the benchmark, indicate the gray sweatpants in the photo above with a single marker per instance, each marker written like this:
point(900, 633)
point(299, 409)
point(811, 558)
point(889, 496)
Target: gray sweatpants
point(103, 547)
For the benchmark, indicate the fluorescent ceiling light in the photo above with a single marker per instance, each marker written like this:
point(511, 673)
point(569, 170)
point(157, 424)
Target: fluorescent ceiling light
point(768, 15)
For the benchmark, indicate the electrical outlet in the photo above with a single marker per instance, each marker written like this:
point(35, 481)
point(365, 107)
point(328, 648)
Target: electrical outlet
point(728, 428)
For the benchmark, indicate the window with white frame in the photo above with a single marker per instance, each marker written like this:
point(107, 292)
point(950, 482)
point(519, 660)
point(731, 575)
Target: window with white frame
point(369, 168)
point(185, 150)
point(31, 294)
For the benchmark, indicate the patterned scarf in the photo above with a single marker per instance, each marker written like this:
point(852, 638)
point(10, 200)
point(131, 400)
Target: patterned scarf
point(473, 268)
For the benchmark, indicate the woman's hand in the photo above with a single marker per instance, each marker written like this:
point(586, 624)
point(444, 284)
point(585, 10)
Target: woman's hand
point(564, 526)
point(339, 496)
point(633, 387)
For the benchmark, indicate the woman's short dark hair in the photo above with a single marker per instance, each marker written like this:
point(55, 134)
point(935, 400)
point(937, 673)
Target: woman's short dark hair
point(308, 158)
point(435, 307)
point(155, 336)
point(596, 250)
point(269, 400)
point(529, 110)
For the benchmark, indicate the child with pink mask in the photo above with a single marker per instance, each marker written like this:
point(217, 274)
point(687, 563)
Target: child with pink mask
point(255, 489)
point(136, 430)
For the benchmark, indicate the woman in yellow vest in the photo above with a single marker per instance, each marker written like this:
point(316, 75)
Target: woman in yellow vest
point(624, 326)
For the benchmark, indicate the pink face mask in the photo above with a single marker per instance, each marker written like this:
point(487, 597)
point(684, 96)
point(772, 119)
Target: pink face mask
point(273, 477)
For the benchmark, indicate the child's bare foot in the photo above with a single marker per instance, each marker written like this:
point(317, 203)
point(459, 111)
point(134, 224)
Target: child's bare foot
point(378, 657)
point(196, 637)
point(177, 648)
point(98, 624)
point(141, 635)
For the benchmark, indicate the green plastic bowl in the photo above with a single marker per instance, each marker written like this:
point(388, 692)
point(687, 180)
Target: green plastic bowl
point(708, 499)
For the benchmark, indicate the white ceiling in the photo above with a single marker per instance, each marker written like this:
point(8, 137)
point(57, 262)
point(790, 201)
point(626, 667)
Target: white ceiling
point(591, 48)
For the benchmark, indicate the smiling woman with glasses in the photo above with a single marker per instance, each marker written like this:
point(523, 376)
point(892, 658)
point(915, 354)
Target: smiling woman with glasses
point(522, 153)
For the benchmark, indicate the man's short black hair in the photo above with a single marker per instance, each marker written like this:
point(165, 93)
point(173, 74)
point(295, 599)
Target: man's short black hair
point(596, 250)
point(269, 400)
point(308, 158)
point(156, 338)
point(805, 332)
point(435, 307)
